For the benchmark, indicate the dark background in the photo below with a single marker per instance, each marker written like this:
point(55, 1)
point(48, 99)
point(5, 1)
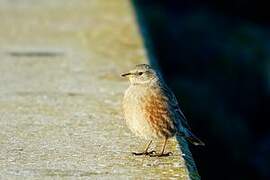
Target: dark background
point(215, 56)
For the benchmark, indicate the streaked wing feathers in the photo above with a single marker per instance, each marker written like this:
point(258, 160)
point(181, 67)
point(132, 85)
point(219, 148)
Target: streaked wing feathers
point(173, 103)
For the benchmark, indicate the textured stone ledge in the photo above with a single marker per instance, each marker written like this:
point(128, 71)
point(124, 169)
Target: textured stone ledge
point(60, 93)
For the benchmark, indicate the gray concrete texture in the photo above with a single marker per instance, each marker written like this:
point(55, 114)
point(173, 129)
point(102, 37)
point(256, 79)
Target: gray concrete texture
point(60, 92)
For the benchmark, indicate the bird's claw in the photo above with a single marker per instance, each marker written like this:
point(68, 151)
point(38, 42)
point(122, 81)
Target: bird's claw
point(161, 154)
point(147, 153)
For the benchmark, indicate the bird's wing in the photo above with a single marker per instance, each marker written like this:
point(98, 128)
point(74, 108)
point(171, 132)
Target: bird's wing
point(179, 119)
point(158, 113)
point(174, 106)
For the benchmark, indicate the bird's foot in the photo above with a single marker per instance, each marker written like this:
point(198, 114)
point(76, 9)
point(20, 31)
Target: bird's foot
point(161, 154)
point(146, 153)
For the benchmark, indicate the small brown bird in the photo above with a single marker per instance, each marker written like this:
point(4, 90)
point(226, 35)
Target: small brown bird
point(151, 110)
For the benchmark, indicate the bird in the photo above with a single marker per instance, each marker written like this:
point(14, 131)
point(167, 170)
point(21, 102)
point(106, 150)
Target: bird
point(151, 110)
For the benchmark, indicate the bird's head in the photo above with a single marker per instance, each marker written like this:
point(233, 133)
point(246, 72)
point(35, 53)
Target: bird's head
point(141, 74)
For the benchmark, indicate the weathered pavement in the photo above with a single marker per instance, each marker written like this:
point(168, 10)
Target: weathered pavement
point(60, 92)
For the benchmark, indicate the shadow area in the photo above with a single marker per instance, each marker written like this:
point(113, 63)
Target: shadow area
point(189, 161)
point(215, 56)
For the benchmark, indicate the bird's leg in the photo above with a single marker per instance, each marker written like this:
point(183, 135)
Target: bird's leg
point(145, 152)
point(162, 154)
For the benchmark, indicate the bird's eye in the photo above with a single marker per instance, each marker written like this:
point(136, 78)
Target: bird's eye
point(140, 73)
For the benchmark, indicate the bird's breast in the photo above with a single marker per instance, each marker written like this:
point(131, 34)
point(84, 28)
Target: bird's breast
point(133, 106)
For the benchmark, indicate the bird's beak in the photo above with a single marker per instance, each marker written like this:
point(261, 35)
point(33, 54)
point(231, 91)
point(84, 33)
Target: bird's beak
point(126, 74)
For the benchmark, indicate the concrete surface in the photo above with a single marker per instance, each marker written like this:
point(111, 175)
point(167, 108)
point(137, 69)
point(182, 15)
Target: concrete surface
point(60, 92)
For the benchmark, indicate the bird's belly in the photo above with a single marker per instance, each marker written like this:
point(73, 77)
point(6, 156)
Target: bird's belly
point(136, 121)
point(139, 125)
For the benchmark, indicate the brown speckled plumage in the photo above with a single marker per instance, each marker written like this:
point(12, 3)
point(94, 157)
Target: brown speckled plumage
point(151, 109)
point(157, 114)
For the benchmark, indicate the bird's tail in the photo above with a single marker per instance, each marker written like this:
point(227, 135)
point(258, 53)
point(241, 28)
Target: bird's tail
point(192, 138)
